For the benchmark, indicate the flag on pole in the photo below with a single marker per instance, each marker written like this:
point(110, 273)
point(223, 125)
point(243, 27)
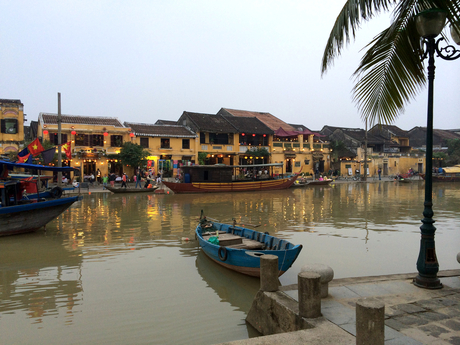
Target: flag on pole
point(67, 149)
point(35, 147)
point(48, 155)
point(24, 156)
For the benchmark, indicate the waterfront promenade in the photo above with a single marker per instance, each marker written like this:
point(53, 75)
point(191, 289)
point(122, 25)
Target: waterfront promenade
point(413, 316)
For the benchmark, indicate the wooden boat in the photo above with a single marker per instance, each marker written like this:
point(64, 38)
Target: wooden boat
point(240, 249)
point(449, 174)
point(227, 178)
point(131, 190)
point(21, 215)
point(324, 182)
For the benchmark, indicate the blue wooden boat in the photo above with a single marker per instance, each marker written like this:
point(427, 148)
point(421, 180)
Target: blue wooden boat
point(19, 215)
point(240, 248)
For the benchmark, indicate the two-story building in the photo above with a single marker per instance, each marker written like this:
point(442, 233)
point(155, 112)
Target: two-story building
point(94, 139)
point(170, 145)
point(12, 125)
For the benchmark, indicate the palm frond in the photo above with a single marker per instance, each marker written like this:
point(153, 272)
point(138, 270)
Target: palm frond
point(347, 23)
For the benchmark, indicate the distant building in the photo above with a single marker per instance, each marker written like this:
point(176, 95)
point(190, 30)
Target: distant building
point(12, 125)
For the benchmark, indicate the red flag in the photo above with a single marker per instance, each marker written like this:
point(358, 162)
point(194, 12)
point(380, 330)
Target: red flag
point(67, 149)
point(35, 147)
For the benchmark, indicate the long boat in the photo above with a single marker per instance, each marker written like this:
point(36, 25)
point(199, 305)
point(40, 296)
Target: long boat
point(324, 182)
point(239, 248)
point(230, 178)
point(131, 190)
point(20, 215)
point(449, 174)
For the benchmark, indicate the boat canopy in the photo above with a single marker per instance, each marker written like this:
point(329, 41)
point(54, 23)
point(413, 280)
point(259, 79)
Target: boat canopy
point(452, 170)
point(11, 165)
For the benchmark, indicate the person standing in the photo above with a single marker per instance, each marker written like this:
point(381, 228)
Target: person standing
point(380, 172)
point(105, 179)
point(112, 180)
point(123, 181)
point(138, 179)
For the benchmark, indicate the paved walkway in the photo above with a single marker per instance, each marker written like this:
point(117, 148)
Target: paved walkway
point(413, 316)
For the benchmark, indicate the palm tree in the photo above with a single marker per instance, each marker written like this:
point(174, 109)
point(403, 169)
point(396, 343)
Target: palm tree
point(391, 72)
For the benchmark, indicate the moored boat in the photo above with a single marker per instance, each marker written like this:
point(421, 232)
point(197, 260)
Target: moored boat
point(239, 248)
point(228, 178)
point(21, 215)
point(132, 190)
point(449, 174)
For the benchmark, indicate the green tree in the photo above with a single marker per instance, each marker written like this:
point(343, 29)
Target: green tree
point(391, 71)
point(453, 152)
point(338, 148)
point(133, 155)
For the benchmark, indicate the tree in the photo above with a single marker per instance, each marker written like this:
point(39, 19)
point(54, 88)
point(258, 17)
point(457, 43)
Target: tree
point(391, 72)
point(453, 152)
point(133, 154)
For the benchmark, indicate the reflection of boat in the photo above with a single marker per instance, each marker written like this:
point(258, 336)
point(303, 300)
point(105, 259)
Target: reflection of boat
point(132, 190)
point(449, 174)
point(231, 287)
point(228, 178)
point(18, 215)
point(239, 248)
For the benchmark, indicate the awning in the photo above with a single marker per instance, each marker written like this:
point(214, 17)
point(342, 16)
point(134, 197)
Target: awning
point(280, 132)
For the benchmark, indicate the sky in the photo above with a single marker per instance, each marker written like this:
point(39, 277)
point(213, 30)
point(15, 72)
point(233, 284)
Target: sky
point(141, 61)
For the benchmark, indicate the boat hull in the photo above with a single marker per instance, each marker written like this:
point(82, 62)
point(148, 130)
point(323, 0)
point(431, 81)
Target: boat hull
point(132, 190)
point(247, 261)
point(32, 216)
point(219, 187)
point(442, 178)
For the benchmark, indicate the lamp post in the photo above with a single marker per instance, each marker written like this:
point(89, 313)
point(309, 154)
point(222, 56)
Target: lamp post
point(429, 25)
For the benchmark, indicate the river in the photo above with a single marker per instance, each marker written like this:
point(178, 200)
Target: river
point(117, 269)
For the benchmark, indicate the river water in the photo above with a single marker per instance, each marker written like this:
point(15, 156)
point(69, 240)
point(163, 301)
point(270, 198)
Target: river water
point(116, 269)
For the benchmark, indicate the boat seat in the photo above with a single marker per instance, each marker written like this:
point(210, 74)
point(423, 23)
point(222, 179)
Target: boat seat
point(248, 244)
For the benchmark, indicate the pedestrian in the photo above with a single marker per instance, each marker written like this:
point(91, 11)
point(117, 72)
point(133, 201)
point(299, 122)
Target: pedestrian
point(112, 180)
point(380, 172)
point(158, 179)
point(105, 179)
point(138, 179)
point(123, 181)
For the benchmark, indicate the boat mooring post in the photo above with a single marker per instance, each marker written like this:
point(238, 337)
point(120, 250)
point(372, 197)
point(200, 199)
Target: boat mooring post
point(269, 273)
point(370, 322)
point(309, 284)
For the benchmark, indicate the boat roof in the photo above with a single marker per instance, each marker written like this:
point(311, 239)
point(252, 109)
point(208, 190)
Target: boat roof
point(452, 170)
point(11, 165)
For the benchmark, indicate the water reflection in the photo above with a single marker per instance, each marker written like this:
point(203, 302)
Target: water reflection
point(127, 251)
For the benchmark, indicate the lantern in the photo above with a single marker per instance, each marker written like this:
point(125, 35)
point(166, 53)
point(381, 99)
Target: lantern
point(45, 132)
point(131, 135)
point(73, 132)
point(106, 134)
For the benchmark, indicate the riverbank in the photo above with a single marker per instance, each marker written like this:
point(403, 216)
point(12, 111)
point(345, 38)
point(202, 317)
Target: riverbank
point(413, 315)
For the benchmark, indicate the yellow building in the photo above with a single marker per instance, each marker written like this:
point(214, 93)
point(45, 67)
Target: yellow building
point(93, 139)
point(170, 145)
point(12, 125)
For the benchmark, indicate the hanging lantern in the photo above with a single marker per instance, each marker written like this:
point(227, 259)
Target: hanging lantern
point(242, 134)
point(45, 132)
point(106, 134)
point(253, 135)
point(73, 132)
point(131, 135)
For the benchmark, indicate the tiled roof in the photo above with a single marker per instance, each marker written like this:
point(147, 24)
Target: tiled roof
point(395, 130)
point(166, 122)
point(248, 125)
point(144, 129)
point(268, 119)
point(16, 101)
point(50, 119)
point(210, 123)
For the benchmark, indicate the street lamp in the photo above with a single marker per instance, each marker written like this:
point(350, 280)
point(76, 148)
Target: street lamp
point(429, 25)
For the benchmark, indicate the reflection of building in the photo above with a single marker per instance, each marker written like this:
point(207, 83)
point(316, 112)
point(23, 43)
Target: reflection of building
point(93, 139)
point(12, 125)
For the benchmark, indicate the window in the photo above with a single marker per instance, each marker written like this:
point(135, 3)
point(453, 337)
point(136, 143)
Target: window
point(97, 140)
point(218, 138)
point(145, 143)
point(202, 138)
point(165, 143)
point(116, 141)
point(10, 126)
point(81, 139)
point(185, 143)
point(54, 138)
